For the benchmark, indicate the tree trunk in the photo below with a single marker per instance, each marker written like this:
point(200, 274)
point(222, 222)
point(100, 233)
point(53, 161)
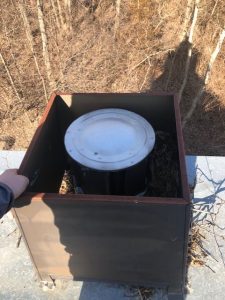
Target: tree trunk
point(60, 14)
point(31, 44)
point(44, 40)
point(55, 14)
point(68, 15)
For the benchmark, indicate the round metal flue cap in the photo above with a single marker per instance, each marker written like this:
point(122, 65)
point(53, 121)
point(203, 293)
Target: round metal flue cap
point(109, 139)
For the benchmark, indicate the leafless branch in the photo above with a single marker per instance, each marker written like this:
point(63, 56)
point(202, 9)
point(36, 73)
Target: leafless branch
point(148, 56)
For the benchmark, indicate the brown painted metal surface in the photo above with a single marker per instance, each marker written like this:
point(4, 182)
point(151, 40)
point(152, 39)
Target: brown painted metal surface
point(140, 240)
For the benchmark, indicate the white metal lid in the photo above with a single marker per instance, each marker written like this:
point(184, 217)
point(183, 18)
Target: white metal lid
point(109, 139)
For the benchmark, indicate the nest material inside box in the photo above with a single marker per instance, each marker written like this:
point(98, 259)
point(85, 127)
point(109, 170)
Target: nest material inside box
point(162, 172)
point(164, 168)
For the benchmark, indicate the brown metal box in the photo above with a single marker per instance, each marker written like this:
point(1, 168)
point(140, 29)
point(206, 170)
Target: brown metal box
point(135, 240)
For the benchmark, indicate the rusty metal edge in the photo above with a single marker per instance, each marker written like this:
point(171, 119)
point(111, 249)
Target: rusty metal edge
point(183, 170)
point(59, 93)
point(101, 198)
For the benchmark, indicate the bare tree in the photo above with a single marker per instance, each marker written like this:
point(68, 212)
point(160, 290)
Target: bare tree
point(68, 15)
point(55, 14)
point(44, 41)
point(187, 16)
point(60, 14)
point(31, 44)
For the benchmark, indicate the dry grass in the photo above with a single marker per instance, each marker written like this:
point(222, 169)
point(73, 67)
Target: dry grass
point(196, 252)
point(142, 293)
point(145, 55)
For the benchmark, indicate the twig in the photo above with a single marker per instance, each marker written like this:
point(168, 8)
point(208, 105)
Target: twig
point(146, 74)
point(147, 57)
point(11, 232)
point(18, 241)
point(210, 268)
point(206, 77)
point(190, 46)
point(157, 26)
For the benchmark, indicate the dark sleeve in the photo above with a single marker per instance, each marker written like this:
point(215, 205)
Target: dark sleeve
point(6, 199)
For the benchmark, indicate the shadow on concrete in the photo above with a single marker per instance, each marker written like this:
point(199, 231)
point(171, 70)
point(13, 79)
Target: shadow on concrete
point(205, 205)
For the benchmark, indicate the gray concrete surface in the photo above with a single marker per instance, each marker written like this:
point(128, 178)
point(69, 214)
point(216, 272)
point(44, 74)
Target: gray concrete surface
point(18, 279)
point(208, 281)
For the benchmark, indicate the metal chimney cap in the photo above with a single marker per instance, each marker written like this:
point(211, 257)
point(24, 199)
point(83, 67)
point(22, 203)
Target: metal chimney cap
point(109, 139)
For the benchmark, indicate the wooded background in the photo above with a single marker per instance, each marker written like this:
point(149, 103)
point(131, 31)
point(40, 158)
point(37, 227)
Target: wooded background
point(113, 46)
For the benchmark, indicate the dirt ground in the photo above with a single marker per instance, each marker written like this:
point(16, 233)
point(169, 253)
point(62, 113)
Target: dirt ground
point(141, 49)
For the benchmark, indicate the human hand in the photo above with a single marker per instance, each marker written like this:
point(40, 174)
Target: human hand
point(17, 183)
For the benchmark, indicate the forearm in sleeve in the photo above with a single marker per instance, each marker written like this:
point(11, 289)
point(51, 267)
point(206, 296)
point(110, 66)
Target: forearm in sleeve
point(6, 199)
